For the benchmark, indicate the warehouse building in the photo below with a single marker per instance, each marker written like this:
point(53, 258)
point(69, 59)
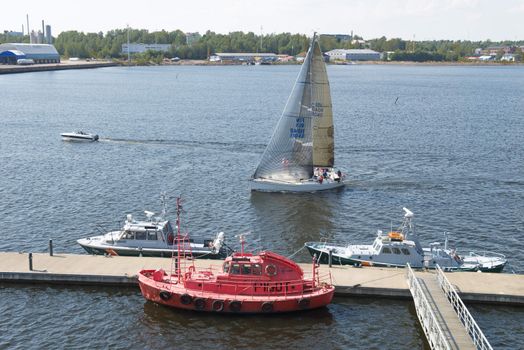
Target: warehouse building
point(353, 55)
point(39, 53)
point(141, 48)
point(243, 57)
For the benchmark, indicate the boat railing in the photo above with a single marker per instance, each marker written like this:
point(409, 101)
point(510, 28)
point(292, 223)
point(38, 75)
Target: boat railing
point(285, 288)
point(485, 254)
point(463, 313)
point(428, 320)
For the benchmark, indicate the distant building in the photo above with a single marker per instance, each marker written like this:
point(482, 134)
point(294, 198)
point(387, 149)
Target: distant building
point(192, 38)
point(338, 37)
point(353, 55)
point(141, 48)
point(40, 53)
point(509, 57)
point(48, 36)
point(14, 34)
point(243, 57)
point(487, 58)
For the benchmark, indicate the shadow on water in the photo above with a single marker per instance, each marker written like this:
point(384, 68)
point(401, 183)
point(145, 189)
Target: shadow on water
point(296, 218)
point(234, 331)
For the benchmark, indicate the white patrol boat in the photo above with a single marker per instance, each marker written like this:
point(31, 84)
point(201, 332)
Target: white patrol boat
point(398, 248)
point(153, 237)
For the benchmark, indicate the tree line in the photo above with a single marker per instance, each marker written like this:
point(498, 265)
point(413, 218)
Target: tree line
point(109, 45)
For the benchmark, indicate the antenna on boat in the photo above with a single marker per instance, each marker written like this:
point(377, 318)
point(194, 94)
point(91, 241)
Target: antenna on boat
point(242, 237)
point(164, 205)
point(149, 214)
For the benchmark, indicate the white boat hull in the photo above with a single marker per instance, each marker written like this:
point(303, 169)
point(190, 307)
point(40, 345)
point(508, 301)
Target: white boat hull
point(264, 185)
point(79, 137)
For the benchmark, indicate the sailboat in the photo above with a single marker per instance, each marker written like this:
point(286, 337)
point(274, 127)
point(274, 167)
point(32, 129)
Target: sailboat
point(300, 155)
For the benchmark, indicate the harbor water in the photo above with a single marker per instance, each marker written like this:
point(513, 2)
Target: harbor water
point(444, 141)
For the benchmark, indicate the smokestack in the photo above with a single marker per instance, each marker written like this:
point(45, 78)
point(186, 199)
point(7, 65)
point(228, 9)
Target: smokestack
point(23, 29)
point(28, 31)
point(43, 31)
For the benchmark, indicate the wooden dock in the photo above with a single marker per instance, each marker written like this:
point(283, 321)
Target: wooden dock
point(83, 269)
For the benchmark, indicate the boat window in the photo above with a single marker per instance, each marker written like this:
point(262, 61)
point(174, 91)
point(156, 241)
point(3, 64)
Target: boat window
point(129, 235)
point(386, 250)
point(140, 235)
point(405, 251)
point(152, 236)
point(235, 269)
point(257, 269)
point(396, 250)
point(226, 267)
point(246, 269)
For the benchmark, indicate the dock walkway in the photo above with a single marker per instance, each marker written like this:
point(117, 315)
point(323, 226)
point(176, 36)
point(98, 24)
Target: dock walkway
point(86, 269)
point(447, 318)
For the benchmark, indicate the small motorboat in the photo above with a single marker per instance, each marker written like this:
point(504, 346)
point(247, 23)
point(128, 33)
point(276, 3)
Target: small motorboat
point(153, 237)
point(400, 247)
point(79, 136)
point(247, 283)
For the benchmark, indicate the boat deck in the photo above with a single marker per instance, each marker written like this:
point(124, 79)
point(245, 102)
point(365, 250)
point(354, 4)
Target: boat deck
point(86, 269)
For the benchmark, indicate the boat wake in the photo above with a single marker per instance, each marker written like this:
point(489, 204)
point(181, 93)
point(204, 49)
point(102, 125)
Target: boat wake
point(232, 146)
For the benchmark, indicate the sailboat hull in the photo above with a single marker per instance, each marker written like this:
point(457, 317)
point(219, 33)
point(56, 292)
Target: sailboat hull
point(264, 185)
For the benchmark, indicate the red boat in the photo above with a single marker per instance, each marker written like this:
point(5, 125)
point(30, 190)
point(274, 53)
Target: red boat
point(248, 283)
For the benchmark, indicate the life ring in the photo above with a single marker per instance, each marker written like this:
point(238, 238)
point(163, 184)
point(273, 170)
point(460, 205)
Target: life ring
point(218, 305)
point(267, 306)
point(303, 303)
point(235, 305)
point(165, 295)
point(186, 299)
point(200, 303)
point(271, 270)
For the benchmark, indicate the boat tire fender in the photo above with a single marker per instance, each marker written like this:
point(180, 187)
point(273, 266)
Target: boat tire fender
point(271, 270)
point(186, 299)
point(200, 303)
point(303, 303)
point(217, 306)
point(165, 295)
point(267, 306)
point(235, 305)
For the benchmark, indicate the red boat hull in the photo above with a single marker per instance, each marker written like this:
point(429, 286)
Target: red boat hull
point(177, 296)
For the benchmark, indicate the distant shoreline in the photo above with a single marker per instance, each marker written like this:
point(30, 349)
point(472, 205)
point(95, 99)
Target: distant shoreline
point(82, 64)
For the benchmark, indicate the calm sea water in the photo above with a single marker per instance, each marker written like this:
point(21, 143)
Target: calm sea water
point(446, 142)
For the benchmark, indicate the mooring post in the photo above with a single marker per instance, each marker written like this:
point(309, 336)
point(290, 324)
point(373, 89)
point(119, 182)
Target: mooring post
point(30, 261)
point(330, 256)
point(50, 247)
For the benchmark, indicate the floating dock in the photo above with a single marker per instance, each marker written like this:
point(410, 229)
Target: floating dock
point(83, 269)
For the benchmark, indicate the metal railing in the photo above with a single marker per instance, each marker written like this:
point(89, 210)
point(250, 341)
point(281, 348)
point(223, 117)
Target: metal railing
point(430, 325)
point(479, 340)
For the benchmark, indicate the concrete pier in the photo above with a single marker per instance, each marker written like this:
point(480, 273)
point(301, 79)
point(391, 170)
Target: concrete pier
point(83, 269)
point(9, 69)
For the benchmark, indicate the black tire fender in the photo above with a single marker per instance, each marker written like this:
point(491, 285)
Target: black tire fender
point(186, 299)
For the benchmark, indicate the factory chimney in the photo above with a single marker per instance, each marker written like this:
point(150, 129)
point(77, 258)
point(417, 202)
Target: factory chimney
point(28, 31)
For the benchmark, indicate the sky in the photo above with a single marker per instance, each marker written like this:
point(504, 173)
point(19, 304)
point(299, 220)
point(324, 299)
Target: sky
point(407, 19)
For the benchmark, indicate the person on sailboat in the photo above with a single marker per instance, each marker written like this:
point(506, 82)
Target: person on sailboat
point(338, 176)
point(320, 179)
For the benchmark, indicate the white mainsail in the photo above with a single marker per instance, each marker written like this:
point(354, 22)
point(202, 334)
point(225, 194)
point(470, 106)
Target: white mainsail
point(303, 138)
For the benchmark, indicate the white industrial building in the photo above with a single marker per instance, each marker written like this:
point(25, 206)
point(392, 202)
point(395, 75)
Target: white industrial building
point(39, 53)
point(353, 55)
point(243, 57)
point(141, 48)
